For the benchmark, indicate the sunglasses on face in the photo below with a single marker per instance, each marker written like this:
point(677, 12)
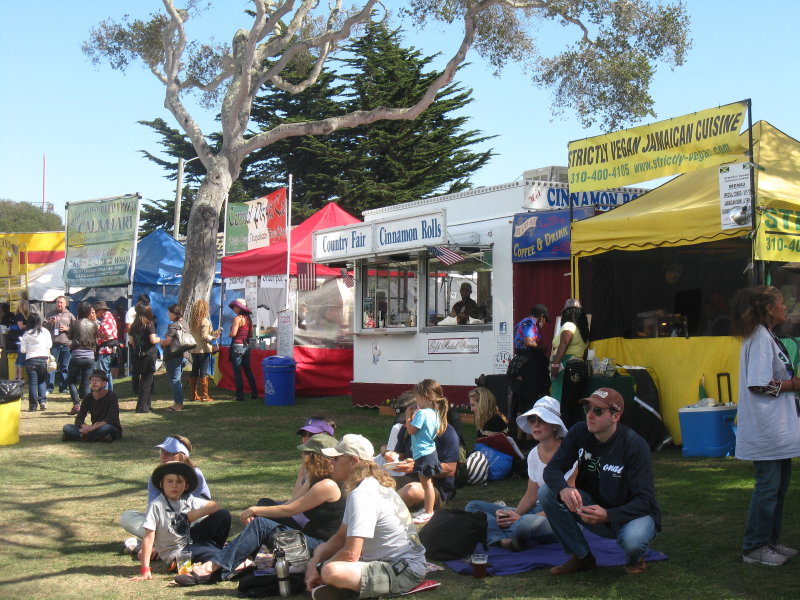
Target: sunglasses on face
point(535, 420)
point(597, 412)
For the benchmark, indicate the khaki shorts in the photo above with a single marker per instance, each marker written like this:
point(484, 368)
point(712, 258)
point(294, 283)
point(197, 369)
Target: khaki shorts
point(378, 578)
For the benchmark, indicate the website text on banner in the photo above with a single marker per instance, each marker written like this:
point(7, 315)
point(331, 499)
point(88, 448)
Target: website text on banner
point(704, 139)
point(101, 237)
point(256, 223)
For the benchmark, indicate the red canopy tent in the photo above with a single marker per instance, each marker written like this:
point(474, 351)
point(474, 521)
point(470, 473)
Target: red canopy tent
point(271, 260)
point(320, 371)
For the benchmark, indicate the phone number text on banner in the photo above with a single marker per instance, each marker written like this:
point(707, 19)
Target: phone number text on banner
point(703, 139)
point(778, 236)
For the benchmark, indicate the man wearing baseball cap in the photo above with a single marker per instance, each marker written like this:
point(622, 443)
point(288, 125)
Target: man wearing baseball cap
point(614, 496)
point(376, 551)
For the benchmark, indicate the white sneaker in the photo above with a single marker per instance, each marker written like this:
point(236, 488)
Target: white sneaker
point(422, 518)
point(765, 555)
point(784, 550)
point(131, 545)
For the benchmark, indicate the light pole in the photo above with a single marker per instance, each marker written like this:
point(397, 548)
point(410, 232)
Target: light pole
point(176, 223)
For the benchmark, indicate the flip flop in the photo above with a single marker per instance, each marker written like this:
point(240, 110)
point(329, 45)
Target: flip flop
point(191, 578)
point(173, 409)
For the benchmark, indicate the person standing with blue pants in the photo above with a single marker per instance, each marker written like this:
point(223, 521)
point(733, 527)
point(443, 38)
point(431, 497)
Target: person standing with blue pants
point(58, 321)
point(175, 361)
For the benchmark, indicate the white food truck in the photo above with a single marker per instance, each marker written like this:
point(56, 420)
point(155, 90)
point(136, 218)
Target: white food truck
point(440, 282)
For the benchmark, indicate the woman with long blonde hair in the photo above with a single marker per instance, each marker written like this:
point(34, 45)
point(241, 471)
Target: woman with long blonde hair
point(488, 418)
point(200, 326)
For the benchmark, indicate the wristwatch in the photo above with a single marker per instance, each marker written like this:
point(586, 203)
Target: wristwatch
point(319, 567)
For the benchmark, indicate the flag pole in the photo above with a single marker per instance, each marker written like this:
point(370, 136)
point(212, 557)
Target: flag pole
point(288, 238)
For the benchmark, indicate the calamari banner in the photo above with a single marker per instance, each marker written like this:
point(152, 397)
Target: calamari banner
point(256, 223)
point(704, 139)
point(101, 241)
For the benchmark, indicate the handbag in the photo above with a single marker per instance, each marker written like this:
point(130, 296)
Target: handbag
point(183, 341)
point(52, 365)
point(293, 543)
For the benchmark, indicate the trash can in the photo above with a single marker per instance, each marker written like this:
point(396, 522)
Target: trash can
point(708, 431)
point(10, 406)
point(278, 380)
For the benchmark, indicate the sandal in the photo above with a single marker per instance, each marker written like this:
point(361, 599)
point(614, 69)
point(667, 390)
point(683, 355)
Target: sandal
point(191, 578)
point(175, 408)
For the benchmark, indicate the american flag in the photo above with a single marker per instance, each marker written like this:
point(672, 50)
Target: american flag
point(445, 255)
point(349, 280)
point(306, 277)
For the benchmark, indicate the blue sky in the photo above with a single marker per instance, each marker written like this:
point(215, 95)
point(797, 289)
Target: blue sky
point(83, 117)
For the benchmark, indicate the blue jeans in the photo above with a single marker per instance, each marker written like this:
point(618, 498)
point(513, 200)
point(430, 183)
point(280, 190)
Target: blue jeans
point(73, 432)
point(80, 370)
point(255, 533)
point(37, 382)
point(765, 517)
point(174, 371)
point(530, 525)
point(240, 360)
point(633, 537)
point(200, 364)
point(62, 355)
point(104, 364)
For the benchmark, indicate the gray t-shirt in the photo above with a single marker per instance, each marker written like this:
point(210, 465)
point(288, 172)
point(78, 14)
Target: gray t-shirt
point(161, 518)
point(378, 515)
point(768, 427)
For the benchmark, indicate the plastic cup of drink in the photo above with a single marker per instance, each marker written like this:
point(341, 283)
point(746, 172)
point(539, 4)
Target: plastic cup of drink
point(184, 562)
point(479, 562)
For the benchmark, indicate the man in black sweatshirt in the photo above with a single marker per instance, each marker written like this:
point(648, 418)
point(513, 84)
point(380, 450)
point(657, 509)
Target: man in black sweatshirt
point(613, 494)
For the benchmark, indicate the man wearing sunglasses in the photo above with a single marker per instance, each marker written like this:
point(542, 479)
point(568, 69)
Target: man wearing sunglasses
point(614, 496)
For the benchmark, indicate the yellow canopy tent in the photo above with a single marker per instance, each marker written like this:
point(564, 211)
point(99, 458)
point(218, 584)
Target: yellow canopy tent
point(686, 211)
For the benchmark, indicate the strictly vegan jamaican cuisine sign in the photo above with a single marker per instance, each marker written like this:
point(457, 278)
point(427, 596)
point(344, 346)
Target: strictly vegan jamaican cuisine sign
point(101, 239)
point(704, 139)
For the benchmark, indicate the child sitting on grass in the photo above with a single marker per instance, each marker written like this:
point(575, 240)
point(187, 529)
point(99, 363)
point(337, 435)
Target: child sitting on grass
point(178, 522)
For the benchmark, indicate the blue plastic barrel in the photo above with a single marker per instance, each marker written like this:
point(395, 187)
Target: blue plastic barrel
point(278, 380)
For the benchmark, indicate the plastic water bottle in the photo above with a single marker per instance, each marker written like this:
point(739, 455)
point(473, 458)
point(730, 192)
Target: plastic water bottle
point(282, 571)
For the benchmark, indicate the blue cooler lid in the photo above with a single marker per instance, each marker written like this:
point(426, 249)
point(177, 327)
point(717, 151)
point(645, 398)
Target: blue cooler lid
point(278, 361)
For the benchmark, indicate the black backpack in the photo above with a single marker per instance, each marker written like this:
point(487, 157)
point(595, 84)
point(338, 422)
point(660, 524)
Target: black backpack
point(453, 534)
point(262, 586)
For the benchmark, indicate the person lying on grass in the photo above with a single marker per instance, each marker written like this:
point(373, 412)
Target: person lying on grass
point(177, 522)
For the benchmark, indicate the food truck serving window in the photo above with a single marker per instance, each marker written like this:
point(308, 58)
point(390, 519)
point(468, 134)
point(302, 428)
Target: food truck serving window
point(460, 294)
point(389, 294)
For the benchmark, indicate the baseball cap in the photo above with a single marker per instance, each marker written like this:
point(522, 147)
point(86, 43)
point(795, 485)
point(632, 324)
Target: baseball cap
point(606, 398)
point(317, 442)
point(354, 445)
point(313, 426)
point(173, 446)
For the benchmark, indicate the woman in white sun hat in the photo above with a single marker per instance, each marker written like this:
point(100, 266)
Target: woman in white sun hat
point(512, 527)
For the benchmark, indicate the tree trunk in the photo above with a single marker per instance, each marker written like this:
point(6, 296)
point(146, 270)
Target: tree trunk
point(201, 237)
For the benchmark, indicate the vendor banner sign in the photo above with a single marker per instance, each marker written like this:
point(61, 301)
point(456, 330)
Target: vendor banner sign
point(778, 234)
point(544, 235)
point(101, 241)
point(256, 223)
point(704, 139)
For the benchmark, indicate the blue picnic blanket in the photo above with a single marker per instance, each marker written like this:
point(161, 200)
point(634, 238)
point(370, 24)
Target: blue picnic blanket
point(505, 562)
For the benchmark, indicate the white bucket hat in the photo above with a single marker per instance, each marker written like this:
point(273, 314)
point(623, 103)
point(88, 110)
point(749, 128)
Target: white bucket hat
point(548, 410)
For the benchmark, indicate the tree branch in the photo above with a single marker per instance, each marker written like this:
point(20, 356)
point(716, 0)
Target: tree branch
point(357, 118)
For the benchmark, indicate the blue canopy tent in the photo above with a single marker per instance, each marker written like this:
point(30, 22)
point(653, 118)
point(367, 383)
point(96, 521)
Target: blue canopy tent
point(159, 267)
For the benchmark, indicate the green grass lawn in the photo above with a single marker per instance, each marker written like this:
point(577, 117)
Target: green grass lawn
point(59, 510)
